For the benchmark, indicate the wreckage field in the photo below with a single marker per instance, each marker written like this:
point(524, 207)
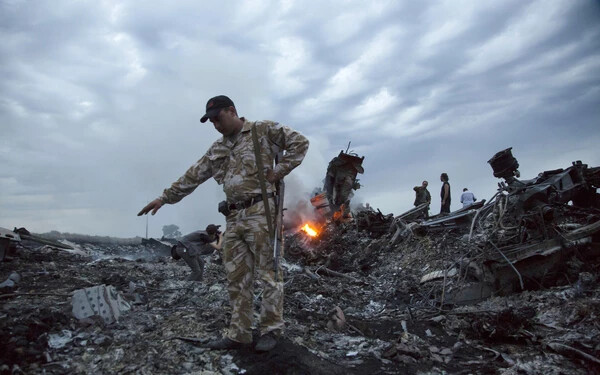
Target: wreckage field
point(353, 304)
point(505, 286)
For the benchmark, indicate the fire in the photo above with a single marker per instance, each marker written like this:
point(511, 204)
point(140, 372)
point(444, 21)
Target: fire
point(337, 215)
point(309, 230)
point(342, 215)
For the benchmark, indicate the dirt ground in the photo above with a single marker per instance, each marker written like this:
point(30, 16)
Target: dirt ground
point(354, 305)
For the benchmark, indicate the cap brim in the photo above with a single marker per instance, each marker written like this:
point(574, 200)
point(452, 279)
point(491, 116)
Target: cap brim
point(210, 113)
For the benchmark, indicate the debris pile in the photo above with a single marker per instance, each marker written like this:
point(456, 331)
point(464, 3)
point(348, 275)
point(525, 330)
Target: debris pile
point(504, 287)
point(339, 185)
point(375, 223)
point(520, 238)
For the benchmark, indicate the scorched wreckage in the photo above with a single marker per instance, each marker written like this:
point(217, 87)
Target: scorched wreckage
point(508, 285)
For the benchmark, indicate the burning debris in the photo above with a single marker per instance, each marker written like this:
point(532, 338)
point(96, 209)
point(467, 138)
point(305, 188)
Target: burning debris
point(340, 182)
point(309, 230)
point(502, 287)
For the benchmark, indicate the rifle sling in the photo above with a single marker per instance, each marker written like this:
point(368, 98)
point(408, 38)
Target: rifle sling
point(261, 179)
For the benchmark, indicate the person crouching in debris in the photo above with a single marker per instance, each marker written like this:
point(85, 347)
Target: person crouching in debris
point(467, 198)
point(445, 194)
point(193, 246)
point(422, 196)
point(247, 243)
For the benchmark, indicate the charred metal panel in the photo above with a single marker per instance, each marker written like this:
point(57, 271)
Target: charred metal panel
point(341, 180)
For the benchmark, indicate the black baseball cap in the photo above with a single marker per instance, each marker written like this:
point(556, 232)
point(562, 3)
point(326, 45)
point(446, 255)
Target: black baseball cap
point(215, 105)
point(212, 229)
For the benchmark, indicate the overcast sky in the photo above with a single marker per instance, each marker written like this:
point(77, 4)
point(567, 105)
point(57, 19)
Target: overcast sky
point(100, 100)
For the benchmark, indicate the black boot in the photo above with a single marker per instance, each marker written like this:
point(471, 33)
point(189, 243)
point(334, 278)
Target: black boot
point(266, 342)
point(223, 343)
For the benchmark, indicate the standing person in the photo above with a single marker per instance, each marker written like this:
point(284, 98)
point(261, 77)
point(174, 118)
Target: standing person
point(445, 194)
point(192, 246)
point(247, 242)
point(422, 196)
point(467, 198)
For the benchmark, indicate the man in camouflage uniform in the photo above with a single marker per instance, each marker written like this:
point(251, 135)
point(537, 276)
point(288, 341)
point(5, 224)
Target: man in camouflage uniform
point(422, 195)
point(232, 163)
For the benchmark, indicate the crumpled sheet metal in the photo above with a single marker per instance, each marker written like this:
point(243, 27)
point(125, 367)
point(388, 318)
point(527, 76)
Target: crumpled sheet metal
point(6, 237)
point(13, 279)
point(436, 275)
point(102, 300)
point(59, 340)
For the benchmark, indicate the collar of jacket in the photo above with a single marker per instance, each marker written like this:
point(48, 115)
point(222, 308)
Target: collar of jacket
point(247, 125)
point(245, 128)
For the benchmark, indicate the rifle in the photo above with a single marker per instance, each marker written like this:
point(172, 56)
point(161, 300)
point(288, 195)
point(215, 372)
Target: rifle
point(280, 190)
point(278, 235)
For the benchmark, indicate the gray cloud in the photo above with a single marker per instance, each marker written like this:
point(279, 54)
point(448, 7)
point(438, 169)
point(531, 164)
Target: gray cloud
point(100, 101)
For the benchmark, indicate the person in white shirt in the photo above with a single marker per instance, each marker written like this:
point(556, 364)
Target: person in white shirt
point(467, 198)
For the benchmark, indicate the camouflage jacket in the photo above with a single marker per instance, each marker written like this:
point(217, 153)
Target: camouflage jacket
point(422, 195)
point(231, 162)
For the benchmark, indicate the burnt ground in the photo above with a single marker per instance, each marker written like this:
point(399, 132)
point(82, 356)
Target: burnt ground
point(354, 305)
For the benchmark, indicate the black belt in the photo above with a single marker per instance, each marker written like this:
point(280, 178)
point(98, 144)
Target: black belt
point(248, 202)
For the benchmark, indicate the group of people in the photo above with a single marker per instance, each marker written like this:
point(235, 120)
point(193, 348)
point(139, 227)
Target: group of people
point(234, 161)
point(423, 196)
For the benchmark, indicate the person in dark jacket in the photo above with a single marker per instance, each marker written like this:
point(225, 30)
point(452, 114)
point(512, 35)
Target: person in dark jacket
point(445, 194)
point(193, 246)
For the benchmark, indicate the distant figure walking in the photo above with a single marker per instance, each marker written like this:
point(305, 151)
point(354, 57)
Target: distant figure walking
point(422, 196)
point(445, 194)
point(467, 198)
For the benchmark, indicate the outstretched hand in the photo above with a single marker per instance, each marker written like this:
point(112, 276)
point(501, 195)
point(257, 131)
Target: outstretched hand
point(153, 206)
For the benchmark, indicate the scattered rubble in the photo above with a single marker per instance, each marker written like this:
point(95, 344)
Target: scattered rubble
point(509, 286)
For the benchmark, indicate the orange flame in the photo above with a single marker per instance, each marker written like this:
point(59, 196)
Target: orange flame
point(309, 230)
point(339, 214)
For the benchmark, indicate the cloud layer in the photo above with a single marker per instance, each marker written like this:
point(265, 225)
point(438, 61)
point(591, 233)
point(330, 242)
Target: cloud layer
point(100, 101)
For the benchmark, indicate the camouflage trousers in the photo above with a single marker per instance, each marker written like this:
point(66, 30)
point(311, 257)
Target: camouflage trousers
point(247, 248)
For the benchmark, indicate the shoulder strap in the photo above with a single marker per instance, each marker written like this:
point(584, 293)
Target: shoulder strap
point(261, 178)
